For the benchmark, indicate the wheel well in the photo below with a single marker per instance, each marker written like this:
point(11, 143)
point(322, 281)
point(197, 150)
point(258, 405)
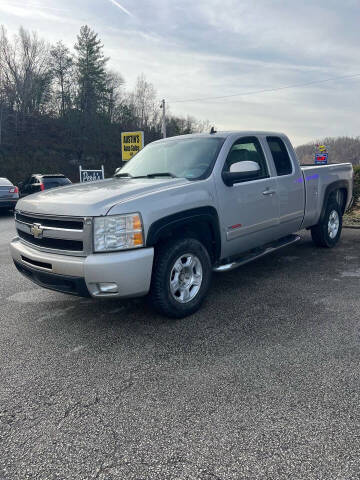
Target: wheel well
point(202, 227)
point(337, 192)
point(202, 231)
point(340, 197)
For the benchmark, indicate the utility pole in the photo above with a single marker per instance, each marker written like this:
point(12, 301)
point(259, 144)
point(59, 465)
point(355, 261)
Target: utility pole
point(163, 124)
point(1, 118)
point(1, 111)
point(1, 107)
point(1, 115)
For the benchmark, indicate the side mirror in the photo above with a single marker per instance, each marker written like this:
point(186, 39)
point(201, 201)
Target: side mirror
point(240, 172)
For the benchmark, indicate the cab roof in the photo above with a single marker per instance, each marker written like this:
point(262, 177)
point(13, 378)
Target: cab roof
point(228, 133)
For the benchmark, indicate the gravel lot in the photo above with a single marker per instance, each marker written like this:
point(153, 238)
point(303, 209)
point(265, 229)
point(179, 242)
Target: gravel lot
point(262, 383)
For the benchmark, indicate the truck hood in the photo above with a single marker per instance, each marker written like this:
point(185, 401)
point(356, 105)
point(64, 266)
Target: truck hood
point(94, 198)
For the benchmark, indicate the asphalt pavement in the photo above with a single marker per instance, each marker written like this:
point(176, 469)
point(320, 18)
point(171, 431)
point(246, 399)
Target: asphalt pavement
point(261, 383)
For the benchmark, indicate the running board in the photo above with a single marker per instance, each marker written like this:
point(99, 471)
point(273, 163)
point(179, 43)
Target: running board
point(272, 247)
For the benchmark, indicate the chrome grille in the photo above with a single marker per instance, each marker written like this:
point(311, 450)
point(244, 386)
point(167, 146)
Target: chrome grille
point(62, 235)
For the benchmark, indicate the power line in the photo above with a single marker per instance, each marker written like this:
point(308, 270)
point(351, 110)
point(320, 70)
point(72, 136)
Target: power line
point(200, 99)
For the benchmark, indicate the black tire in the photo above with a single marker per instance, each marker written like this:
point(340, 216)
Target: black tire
point(320, 232)
point(166, 256)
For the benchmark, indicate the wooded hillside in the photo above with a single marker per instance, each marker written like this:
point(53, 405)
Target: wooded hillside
point(341, 150)
point(62, 108)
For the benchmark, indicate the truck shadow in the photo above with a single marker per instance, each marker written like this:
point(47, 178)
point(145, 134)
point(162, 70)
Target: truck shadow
point(4, 213)
point(246, 302)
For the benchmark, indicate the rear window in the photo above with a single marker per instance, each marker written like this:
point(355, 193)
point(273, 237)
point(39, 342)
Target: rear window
point(5, 182)
point(280, 156)
point(51, 182)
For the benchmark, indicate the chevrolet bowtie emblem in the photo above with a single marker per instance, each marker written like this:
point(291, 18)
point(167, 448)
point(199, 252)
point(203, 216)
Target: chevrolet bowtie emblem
point(36, 230)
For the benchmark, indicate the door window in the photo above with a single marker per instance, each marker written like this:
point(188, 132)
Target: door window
point(51, 182)
point(247, 149)
point(280, 156)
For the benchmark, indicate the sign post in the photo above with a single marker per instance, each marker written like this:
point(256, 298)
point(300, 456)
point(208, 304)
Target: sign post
point(91, 175)
point(131, 144)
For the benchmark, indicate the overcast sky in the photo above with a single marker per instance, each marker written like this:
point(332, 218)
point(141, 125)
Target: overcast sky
point(194, 49)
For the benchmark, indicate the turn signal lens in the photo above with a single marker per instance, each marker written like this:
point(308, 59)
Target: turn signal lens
point(138, 239)
point(137, 222)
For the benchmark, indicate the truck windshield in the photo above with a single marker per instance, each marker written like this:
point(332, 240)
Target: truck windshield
point(191, 158)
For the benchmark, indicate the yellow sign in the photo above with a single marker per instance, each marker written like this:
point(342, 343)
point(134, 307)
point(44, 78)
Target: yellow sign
point(322, 148)
point(131, 144)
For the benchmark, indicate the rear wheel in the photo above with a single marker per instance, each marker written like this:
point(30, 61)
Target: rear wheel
point(327, 232)
point(181, 277)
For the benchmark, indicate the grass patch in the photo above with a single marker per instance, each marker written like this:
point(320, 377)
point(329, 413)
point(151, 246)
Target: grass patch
point(352, 217)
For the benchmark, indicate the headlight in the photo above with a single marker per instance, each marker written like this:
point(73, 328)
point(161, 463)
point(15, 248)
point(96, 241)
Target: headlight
point(118, 232)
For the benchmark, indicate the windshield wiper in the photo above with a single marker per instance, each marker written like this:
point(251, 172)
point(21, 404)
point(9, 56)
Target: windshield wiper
point(149, 175)
point(161, 174)
point(123, 175)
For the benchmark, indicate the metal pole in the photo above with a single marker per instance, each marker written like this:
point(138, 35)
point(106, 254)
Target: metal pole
point(2, 98)
point(1, 109)
point(102, 168)
point(163, 125)
point(1, 116)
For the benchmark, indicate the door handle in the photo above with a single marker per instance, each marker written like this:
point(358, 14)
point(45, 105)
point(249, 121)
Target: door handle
point(268, 192)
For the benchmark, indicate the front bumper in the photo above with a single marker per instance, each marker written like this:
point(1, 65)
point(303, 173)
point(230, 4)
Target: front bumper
point(129, 270)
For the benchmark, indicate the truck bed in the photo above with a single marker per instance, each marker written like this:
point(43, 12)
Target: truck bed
point(316, 180)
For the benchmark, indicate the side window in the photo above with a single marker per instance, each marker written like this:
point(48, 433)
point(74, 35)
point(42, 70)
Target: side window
point(280, 156)
point(247, 149)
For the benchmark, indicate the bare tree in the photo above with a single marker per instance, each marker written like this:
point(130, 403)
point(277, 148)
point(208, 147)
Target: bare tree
point(145, 103)
point(26, 71)
point(112, 94)
point(63, 74)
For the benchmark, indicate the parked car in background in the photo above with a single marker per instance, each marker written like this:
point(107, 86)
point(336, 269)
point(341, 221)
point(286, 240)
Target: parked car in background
point(38, 182)
point(9, 194)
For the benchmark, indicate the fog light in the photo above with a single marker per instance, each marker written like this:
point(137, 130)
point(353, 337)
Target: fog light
point(107, 287)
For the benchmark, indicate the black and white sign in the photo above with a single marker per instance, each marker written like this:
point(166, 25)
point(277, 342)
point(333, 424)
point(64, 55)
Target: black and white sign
point(91, 175)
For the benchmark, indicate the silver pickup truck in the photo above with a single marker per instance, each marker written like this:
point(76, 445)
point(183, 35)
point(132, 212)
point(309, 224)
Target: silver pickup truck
point(182, 208)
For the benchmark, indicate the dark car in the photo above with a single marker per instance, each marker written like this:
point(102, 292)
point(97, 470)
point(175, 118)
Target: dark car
point(38, 182)
point(9, 194)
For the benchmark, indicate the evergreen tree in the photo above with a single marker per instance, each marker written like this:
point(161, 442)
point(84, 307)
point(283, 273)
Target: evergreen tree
point(91, 71)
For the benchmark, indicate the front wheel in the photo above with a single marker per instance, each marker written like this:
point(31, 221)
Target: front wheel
point(181, 277)
point(327, 232)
